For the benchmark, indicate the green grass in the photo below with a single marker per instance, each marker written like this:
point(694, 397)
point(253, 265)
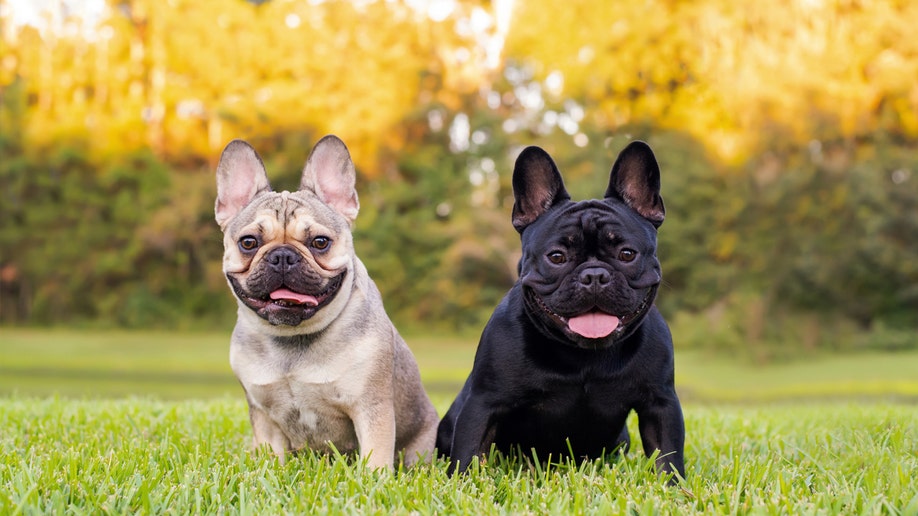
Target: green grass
point(154, 422)
point(139, 455)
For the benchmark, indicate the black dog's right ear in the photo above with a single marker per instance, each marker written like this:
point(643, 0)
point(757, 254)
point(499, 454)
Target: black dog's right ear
point(635, 180)
point(240, 177)
point(537, 186)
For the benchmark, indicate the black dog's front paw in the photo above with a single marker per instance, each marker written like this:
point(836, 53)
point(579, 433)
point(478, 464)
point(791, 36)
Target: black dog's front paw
point(671, 466)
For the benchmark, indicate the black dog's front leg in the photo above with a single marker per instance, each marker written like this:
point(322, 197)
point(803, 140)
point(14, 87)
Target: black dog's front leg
point(472, 435)
point(662, 428)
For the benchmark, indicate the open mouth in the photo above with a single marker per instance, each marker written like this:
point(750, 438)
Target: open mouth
point(594, 324)
point(288, 298)
point(286, 306)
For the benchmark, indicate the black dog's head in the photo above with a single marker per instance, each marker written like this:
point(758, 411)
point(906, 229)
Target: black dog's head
point(589, 270)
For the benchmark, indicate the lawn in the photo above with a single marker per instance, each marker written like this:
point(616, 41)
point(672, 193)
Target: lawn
point(138, 455)
point(154, 422)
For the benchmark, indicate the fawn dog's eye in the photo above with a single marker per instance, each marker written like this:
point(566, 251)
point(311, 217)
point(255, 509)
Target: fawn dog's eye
point(320, 243)
point(248, 243)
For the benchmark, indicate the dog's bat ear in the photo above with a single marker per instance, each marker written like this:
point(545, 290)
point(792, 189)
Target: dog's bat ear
point(240, 177)
point(537, 186)
point(330, 174)
point(635, 180)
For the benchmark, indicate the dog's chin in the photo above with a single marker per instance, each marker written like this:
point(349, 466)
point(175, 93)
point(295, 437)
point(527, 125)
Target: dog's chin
point(594, 328)
point(284, 312)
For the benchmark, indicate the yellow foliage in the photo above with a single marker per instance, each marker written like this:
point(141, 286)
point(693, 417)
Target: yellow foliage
point(186, 76)
point(725, 245)
point(746, 66)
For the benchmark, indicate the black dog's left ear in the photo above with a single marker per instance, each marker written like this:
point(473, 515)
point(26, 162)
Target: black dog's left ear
point(537, 186)
point(635, 180)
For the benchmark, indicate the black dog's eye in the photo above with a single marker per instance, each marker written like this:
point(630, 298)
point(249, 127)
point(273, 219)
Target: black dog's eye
point(248, 243)
point(627, 255)
point(320, 243)
point(557, 257)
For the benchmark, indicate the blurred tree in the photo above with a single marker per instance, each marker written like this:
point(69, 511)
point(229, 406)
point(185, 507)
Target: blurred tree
point(723, 71)
point(847, 238)
point(786, 132)
point(434, 223)
point(77, 213)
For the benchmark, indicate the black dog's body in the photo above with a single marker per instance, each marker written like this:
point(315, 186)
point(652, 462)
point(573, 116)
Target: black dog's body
point(530, 393)
point(577, 344)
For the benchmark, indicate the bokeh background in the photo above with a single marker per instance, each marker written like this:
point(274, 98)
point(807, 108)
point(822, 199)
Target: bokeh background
point(787, 134)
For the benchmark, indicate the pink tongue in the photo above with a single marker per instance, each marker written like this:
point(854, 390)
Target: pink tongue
point(593, 325)
point(293, 297)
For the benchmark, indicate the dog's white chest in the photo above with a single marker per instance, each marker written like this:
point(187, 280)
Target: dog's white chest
point(309, 400)
point(309, 414)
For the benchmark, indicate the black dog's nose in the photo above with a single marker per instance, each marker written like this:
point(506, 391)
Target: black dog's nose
point(283, 258)
point(595, 277)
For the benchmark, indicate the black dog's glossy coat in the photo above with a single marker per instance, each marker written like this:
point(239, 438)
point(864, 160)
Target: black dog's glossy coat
point(536, 383)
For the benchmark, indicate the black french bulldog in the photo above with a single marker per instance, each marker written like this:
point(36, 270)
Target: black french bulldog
point(577, 343)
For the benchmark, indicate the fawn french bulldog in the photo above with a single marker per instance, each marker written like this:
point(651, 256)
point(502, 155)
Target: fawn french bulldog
point(319, 360)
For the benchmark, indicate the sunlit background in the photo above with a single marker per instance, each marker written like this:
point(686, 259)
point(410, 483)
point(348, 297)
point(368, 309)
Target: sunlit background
point(787, 133)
